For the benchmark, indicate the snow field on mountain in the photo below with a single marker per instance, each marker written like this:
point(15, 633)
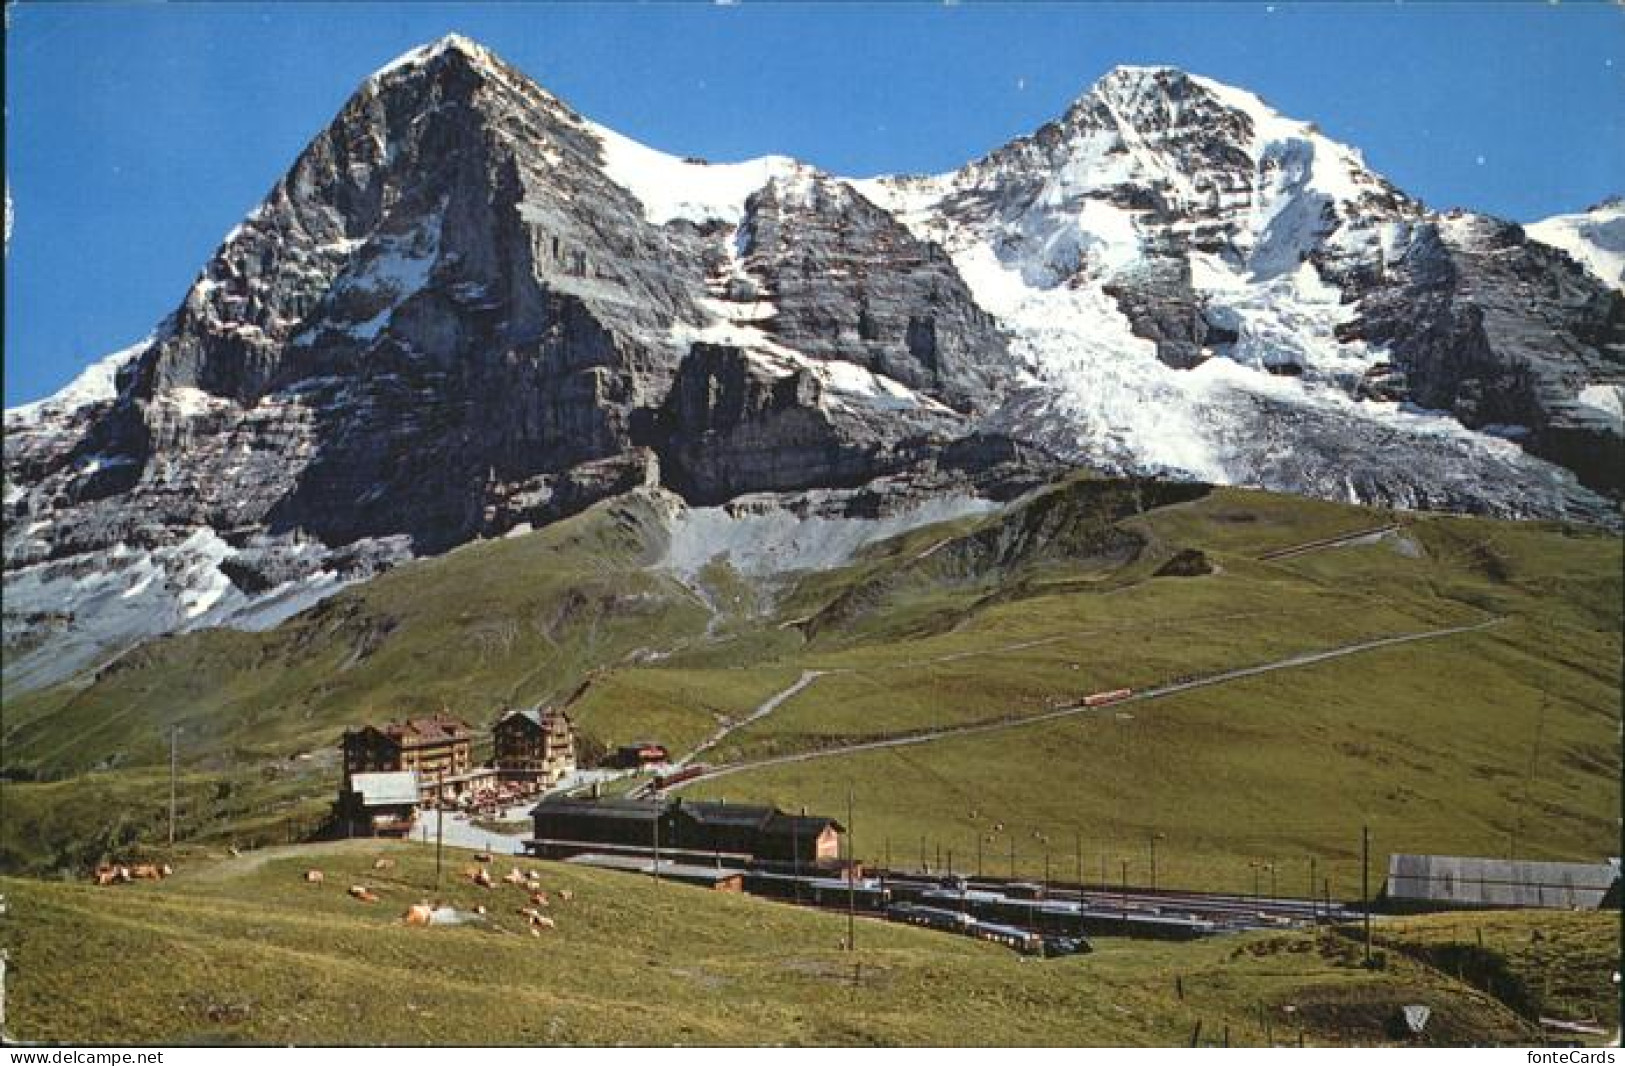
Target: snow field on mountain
point(1595, 239)
point(671, 188)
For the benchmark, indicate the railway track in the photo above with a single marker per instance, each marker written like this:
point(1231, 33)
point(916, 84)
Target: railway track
point(1159, 692)
point(1327, 542)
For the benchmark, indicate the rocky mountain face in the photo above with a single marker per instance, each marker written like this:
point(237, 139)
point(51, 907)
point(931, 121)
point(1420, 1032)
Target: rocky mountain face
point(466, 309)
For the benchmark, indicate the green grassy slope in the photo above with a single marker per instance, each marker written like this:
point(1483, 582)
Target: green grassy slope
point(1505, 739)
point(244, 951)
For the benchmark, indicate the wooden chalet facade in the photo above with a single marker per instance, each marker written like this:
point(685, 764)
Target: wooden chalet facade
point(536, 747)
point(430, 746)
point(438, 750)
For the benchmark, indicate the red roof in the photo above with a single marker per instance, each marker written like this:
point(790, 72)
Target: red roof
point(440, 728)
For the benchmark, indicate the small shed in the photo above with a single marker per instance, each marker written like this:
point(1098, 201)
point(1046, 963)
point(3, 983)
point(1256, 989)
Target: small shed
point(1443, 882)
point(641, 753)
point(381, 803)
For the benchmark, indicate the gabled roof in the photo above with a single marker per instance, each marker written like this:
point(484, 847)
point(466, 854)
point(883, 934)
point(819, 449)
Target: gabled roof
point(739, 814)
point(441, 727)
point(800, 825)
point(618, 808)
point(541, 717)
point(704, 812)
point(386, 789)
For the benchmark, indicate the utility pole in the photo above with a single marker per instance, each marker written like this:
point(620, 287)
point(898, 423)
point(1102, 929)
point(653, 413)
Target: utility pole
point(1155, 836)
point(978, 853)
point(1314, 908)
point(1077, 853)
point(1365, 886)
point(1012, 854)
point(1125, 892)
point(174, 748)
point(851, 878)
point(439, 824)
point(656, 824)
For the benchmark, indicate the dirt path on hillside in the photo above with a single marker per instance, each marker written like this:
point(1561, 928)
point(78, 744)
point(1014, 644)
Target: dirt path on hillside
point(249, 861)
point(763, 709)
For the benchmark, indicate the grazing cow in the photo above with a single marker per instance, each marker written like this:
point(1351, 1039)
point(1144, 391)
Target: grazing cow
point(313, 877)
point(146, 872)
point(479, 909)
point(565, 895)
point(105, 875)
point(482, 878)
point(536, 918)
point(514, 877)
point(484, 856)
point(363, 893)
point(539, 899)
point(384, 864)
point(420, 914)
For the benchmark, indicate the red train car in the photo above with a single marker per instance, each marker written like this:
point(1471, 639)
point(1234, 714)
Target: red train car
point(687, 772)
point(1099, 699)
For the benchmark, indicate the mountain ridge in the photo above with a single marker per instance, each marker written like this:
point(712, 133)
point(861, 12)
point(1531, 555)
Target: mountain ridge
point(466, 309)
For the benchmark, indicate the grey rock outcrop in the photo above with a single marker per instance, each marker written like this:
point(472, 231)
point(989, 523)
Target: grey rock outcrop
point(849, 282)
point(1504, 332)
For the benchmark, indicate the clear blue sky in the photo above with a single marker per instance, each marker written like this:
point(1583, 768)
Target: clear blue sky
point(138, 135)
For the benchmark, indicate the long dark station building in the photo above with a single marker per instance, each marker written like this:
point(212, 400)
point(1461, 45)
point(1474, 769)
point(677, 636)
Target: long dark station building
point(675, 827)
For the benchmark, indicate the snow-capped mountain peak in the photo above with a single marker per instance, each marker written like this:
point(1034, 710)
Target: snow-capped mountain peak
point(425, 54)
point(467, 308)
